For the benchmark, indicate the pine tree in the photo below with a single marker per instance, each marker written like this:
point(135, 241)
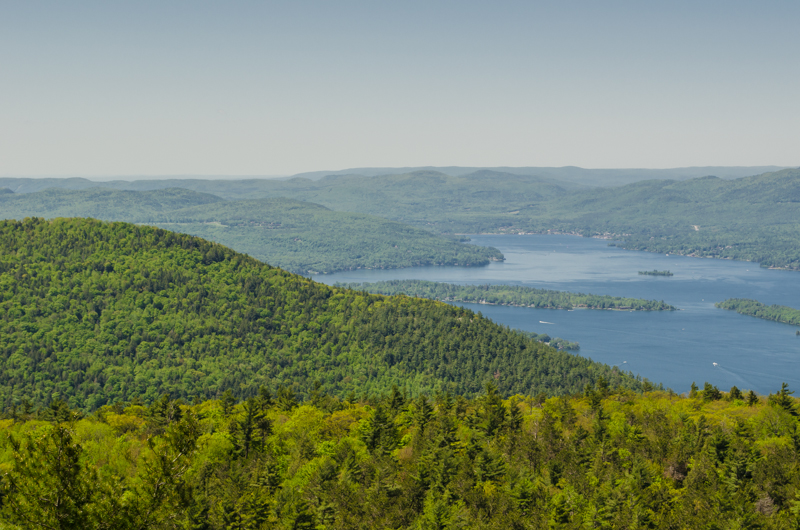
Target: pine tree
point(783, 401)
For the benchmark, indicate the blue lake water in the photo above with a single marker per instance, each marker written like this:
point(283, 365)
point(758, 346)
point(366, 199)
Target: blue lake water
point(671, 347)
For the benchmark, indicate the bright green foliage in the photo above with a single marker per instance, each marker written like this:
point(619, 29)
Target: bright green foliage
point(506, 295)
point(607, 459)
point(754, 308)
point(50, 482)
point(94, 313)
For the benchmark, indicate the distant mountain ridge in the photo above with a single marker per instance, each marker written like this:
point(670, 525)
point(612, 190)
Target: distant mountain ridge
point(753, 218)
point(567, 175)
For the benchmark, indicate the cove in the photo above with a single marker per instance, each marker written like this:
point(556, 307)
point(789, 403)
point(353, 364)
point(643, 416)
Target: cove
point(673, 348)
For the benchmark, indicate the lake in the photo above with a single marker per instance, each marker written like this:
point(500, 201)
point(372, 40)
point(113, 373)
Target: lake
point(671, 347)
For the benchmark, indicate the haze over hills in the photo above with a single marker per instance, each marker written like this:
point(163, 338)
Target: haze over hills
point(300, 237)
point(569, 176)
point(100, 203)
point(566, 175)
point(304, 237)
point(752, 218)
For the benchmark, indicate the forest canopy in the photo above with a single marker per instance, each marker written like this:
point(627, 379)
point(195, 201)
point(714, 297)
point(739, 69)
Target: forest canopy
point(96, 313)
point(604, 458)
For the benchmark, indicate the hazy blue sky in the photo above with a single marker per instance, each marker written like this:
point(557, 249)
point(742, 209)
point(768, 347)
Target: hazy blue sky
point(137, 88)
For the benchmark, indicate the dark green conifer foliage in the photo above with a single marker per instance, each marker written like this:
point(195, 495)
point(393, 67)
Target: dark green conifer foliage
point(493, 412)
point(782, 400)
point(711, 393)
point(382, 435)
point(397, 400)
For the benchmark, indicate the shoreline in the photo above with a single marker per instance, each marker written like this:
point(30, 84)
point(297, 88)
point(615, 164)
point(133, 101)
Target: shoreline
point(616, 237)
point(560, 308)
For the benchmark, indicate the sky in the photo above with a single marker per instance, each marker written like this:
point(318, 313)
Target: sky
point(276, 88)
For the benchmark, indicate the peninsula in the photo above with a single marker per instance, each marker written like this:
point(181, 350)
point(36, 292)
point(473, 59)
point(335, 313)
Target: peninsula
point(507, 295)
point(754, 308)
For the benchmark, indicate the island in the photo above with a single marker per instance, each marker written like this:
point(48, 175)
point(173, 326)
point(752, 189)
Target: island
point(555, 342)
point(754, 308)
point(512, 295)
point(656, 273)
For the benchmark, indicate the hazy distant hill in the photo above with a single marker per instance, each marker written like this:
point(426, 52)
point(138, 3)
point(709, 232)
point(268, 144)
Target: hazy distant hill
point(111, 205)
point(427, 198)
point(754, 218)
point(259, 187)
point(568, 174)
point(303, 237)
point(297, 236)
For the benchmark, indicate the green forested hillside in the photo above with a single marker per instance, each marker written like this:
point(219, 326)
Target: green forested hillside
point(475, 203)
point(96, 313)
point(298, 236)
point(754, 308)
point(507, 295)
point(752, 218)
point(605, 459)
point(109, 205)
point(302, 237)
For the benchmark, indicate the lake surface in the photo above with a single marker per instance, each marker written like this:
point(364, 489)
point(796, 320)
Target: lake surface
point(671, 347)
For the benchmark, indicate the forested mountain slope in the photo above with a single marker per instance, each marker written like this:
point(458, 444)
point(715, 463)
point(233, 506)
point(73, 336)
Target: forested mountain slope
point(303, 237)
point(298, 236)
point(96, 312)
point(753, 218)
point(469, 204)
point(110, 205)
